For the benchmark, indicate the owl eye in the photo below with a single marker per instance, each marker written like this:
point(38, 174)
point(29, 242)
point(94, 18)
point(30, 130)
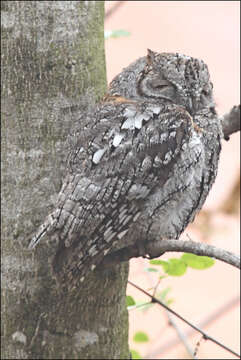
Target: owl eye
point(159, 84)
point(160, 87)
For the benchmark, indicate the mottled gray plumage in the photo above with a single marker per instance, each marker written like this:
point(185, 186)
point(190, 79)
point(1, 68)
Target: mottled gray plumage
point(146, 160)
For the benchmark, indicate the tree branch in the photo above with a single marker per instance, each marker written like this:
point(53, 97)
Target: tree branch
point(217, 314)
point(205, 335)
point(231, 122)
point(171, 321)
point(157, 248)
point(182, 337)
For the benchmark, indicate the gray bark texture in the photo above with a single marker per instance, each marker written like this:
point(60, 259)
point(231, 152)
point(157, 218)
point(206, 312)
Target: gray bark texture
point(53, 67)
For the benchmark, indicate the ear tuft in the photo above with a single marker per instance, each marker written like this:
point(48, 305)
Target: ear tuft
point(150, 57)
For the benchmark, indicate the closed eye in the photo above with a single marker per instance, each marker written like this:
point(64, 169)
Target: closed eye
point(161, 87)
point(160, 84)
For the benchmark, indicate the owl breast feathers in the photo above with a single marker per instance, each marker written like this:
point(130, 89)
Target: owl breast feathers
point(146, 159)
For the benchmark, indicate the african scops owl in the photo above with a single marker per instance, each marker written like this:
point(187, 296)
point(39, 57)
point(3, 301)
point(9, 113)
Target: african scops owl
point(146, 160)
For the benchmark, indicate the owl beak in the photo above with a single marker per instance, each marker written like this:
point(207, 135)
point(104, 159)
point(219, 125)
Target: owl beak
point(190, 105)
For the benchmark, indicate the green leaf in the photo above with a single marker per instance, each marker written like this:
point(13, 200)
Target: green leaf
point(116, 33)
point(164, 292)
point(130, 301)
point(169, 302)
point(176, 267)
point(140, 337)
point(150, 269)
point(157, 262)
point(163, 277)
point(135, 354)
point(197, 262)
point(163, 296)
point(163, 263)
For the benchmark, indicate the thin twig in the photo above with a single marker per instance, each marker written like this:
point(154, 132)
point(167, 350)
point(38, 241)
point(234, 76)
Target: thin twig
point(205, 322)
point(138, 306)
point(205, 335)
point(113, 9)
point(172, 322)
point(182, 336)
point(156, 286)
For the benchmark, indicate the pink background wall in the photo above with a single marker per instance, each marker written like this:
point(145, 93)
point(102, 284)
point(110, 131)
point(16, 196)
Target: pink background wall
point(207, 30)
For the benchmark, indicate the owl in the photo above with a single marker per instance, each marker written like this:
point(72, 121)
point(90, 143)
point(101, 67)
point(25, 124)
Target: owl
point(144, 163)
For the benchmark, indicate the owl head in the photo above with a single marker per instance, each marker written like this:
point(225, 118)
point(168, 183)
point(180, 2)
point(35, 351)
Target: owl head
point(166, 77)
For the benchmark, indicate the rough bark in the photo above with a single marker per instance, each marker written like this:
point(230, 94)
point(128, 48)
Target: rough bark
point(53, 67)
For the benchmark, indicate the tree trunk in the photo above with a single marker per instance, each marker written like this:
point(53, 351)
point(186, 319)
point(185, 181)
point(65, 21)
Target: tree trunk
point(53, 67)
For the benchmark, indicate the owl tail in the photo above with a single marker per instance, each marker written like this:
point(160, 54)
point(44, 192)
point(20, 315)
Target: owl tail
point(47, 227)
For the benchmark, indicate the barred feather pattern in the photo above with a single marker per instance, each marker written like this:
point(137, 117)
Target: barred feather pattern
point(144, 164)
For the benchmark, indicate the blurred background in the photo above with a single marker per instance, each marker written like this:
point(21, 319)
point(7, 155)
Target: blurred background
point(210, 298)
